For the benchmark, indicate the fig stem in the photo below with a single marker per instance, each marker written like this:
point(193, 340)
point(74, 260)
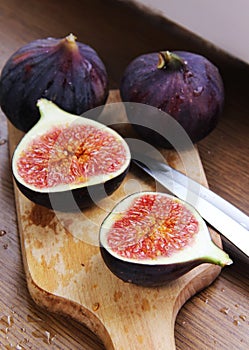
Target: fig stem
point(170, 60)
point(71, 38)
point(217, 256)
point(69, 42)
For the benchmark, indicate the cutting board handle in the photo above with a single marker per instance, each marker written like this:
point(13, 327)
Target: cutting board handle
point(158, 335)
point(139, 319)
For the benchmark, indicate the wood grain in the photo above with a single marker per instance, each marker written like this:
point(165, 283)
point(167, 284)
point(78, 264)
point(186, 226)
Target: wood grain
point(66, 274)
point(120, 32)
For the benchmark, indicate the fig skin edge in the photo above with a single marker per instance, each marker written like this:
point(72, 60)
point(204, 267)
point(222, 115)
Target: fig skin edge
point(81, 198)
point(146, 275)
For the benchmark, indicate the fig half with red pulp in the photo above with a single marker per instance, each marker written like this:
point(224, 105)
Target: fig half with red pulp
point(67, 162)
point(65, 71)
point(152, 238)
point(185, 85)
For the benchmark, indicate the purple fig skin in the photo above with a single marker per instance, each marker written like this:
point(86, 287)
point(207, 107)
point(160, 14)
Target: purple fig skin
point(147, 275)
point(71, 200)
point(190, 90)
point(67, 72)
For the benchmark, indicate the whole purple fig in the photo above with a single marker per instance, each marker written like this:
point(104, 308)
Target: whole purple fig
point(185, 85)
point(65, 71)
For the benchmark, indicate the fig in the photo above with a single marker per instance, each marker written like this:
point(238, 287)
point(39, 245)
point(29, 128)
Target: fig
point(152, 238)
point(67, 72)
point(185, 85)
point(66, 162)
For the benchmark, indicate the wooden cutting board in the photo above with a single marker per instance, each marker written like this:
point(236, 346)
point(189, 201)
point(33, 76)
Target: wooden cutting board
point(65, 272)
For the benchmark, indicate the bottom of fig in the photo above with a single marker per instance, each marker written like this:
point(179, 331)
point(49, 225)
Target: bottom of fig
point(152, 238)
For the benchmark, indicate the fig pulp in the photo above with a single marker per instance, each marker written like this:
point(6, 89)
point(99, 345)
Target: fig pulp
point(67, 72)
point(185, 85)
point(67, 162)
point(151, 238)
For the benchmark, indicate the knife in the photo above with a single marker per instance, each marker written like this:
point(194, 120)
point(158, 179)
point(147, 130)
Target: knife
point(232, 223)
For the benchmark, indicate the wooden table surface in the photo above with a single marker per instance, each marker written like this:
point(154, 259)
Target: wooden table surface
point(217, 318)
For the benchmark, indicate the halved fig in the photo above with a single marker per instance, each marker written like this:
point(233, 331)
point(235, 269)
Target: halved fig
point(67, 161)
point(151, 238)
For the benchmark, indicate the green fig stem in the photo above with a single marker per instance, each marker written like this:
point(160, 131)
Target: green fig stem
point(170, 60)
point(217, 256)
point(48, 110)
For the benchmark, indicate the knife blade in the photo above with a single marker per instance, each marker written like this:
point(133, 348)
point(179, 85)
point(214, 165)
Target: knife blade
point(227, 219)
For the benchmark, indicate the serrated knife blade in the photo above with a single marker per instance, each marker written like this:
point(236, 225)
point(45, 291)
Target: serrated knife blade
point(227, 219)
